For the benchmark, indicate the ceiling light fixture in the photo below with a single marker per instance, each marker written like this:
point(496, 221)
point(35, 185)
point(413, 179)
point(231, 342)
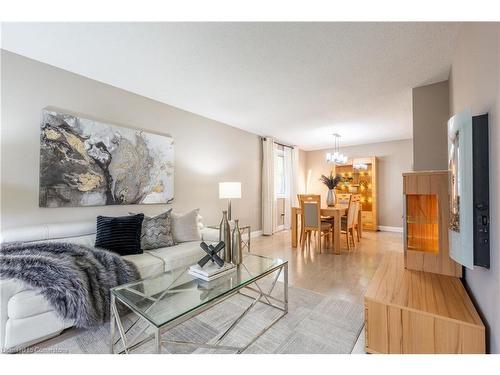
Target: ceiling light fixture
point(336, 157)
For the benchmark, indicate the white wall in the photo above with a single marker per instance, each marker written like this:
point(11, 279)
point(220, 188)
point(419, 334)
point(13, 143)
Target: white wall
point(206, 151)
point(475, 84)
point(394, 158)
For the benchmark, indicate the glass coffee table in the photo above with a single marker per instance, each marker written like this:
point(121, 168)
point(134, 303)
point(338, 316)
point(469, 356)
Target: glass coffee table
point(167, 300)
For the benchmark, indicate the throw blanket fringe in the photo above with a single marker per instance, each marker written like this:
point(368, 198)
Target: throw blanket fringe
point(75, 279)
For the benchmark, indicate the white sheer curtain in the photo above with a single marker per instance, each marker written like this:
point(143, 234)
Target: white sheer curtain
point(291, 182)
point(268, 185)
point(295, 177)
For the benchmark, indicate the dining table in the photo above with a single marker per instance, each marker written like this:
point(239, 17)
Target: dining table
point(336, 212)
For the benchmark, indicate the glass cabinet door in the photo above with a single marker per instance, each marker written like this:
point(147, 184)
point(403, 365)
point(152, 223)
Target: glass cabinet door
point(422, 222)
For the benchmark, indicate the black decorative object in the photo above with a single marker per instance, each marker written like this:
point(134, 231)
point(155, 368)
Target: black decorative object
point(212, 251)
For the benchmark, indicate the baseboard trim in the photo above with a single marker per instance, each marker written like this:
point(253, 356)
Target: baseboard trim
point(255, 233)
point(384, 228)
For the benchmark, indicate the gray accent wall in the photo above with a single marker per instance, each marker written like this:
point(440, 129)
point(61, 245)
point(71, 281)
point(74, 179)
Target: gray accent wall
point(475, 84)
point(430, 118)
point(394, 158)
point(206, 151)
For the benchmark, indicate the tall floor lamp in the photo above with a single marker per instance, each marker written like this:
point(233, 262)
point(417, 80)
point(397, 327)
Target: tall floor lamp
point(229, 190)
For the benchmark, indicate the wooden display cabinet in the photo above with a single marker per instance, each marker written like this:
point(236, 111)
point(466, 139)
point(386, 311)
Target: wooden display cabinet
point(426, 215)
point(362, 181)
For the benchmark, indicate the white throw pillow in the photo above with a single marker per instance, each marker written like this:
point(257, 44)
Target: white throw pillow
point(185, 226)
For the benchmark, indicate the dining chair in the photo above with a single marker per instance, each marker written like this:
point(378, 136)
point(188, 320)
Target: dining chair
point(310, 206)
point(354, 198)
point(357, 199)
point(343, 198)
point(301, 197)
point(347, 225)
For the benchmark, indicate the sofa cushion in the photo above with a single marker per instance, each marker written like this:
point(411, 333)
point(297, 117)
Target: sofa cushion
point(30, 302)
point(120, 234)
point(180, 255)
point(44, 232)
point(27, 303)
point(88, 240)
point(157, 231)
point(146, 264)
point(185, 226)
point(20, 333)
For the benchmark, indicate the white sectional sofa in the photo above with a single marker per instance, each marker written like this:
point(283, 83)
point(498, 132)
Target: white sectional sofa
point(27, 318)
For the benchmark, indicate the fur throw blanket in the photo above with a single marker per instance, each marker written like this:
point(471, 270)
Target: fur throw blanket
point(75, 279)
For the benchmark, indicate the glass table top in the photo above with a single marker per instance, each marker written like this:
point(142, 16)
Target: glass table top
point(163, 298)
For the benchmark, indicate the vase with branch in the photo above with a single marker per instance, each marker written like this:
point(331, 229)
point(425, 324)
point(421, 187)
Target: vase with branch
point(331, 183)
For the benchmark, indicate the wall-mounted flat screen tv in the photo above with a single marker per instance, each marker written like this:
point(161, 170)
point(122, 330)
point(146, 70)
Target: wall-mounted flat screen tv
point(468, 163)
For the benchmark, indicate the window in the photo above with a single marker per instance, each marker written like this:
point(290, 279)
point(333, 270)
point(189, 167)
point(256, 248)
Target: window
point(279, 172)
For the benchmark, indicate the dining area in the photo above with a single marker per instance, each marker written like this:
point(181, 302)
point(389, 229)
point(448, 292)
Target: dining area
point(326, 226)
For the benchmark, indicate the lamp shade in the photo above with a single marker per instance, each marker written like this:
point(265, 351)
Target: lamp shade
point(229, 190)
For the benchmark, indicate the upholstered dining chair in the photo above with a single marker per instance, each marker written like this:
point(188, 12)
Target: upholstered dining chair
point(343, 198)
point(310, 206)
point(300, 198)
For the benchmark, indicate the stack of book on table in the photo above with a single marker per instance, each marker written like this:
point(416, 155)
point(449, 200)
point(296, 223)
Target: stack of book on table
point(211, 271)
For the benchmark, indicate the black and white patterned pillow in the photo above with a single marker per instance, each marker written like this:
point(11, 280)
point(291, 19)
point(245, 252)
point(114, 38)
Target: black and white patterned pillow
point(157, 231)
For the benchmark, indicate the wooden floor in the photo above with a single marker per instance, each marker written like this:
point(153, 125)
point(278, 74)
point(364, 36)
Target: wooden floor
point(346, 275)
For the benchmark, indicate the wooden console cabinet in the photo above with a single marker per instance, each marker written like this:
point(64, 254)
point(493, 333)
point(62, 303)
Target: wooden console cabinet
point(410, 311)
point(416, 302)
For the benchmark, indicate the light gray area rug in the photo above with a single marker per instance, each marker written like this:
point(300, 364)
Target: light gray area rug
point(315, 324)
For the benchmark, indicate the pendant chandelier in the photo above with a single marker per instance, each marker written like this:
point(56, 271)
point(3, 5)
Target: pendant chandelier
point(336, 157)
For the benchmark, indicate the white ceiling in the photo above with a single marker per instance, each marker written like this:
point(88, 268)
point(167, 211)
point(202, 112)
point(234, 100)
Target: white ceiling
point(298, 82)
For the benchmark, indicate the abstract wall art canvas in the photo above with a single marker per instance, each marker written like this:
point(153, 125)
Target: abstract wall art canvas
point(90, 163)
